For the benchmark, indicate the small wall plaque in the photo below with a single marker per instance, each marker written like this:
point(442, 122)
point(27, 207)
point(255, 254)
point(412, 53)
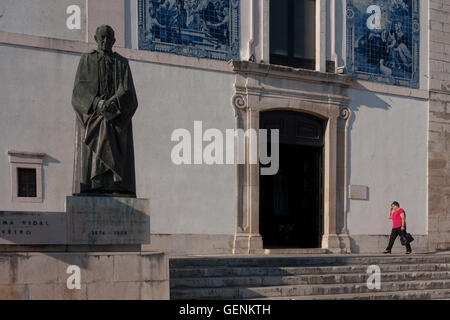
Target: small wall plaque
point(358, 192)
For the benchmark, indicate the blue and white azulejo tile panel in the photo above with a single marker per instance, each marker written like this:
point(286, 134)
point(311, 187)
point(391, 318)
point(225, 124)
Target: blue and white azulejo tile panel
point(197, 28)
point(383, 38)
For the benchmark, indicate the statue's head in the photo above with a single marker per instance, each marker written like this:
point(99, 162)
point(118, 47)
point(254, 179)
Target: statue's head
point(104, 36)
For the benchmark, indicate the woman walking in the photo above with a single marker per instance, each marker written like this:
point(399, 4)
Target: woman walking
point(399, 226)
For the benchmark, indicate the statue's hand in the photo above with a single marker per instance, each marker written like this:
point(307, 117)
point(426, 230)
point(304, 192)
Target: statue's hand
point(100, 105)
point(111, 107)
point(110, 110)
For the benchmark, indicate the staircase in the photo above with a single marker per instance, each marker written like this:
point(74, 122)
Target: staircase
point(417, 276)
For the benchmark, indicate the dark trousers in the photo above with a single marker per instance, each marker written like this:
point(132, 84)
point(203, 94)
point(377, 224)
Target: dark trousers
point(394, 234)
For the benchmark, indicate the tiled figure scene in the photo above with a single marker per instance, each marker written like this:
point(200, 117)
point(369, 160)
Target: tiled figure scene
point(383, 41)
point(198, 28)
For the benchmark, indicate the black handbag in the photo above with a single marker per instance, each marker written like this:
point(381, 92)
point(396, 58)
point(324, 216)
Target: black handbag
point(409, 237)
point(406, 238)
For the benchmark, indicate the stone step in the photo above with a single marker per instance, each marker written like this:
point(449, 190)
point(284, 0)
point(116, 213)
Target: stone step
point(262, 281)
point(439, 294)
point(324, 260)
point(303, 290)
point(299, 251)
point(203, 272)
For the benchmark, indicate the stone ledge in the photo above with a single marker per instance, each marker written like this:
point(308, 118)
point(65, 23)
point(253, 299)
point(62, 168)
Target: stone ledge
point(79, 47)
point(286, 72)
point(212, 65)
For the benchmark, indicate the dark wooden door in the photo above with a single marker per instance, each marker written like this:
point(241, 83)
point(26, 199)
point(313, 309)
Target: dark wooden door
point(291, 201)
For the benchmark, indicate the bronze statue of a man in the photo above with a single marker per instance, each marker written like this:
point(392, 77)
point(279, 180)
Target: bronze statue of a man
point(104, 100)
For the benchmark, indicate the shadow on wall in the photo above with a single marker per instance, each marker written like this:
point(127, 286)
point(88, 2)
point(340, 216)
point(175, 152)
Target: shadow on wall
point(47, 160)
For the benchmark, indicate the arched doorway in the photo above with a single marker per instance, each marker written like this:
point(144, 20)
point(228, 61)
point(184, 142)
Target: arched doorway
point(291, 201)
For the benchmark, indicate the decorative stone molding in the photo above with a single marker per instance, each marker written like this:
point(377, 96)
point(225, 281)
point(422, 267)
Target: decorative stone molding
point(344, 113)
point(263, 87)
point(284, 72)
point(28, 160)
point(26, 157)
point(239, 101)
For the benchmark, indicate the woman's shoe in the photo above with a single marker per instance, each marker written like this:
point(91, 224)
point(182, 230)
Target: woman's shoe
point(386, 251)
point(408, 252)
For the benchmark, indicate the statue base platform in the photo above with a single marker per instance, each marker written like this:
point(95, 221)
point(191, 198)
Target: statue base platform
point(86, 222)
point(84, 276)
point(93, 250)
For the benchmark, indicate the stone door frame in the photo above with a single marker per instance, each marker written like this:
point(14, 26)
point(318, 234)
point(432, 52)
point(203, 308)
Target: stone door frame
point(260, 88)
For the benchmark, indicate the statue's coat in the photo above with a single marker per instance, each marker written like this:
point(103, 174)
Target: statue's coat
point(102, 145)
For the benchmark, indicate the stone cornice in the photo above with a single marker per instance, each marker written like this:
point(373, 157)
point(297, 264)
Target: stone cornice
point(78, 47)
point(295, 74)
point(25, 156)
point(318, 87)
point(247, 68)
point(296, 94)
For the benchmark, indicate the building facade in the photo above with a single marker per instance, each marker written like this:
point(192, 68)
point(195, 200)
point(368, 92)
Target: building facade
point(358, 90)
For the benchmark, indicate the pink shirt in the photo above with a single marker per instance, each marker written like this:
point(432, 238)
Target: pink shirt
point(397, 219)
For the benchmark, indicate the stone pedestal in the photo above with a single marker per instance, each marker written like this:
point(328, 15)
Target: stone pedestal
point(87, 221)
point(101, 237)
point(107, 220)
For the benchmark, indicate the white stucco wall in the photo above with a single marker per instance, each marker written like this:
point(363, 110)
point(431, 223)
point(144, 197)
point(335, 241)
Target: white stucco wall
point(42, 18)
point(388, 153)
point(37, 116)
point(185, 198)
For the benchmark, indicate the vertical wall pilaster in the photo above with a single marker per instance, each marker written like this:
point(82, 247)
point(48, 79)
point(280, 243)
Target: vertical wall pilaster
point(439, 126)
point(247, 238)
point(321, 41)
point(330, 239)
